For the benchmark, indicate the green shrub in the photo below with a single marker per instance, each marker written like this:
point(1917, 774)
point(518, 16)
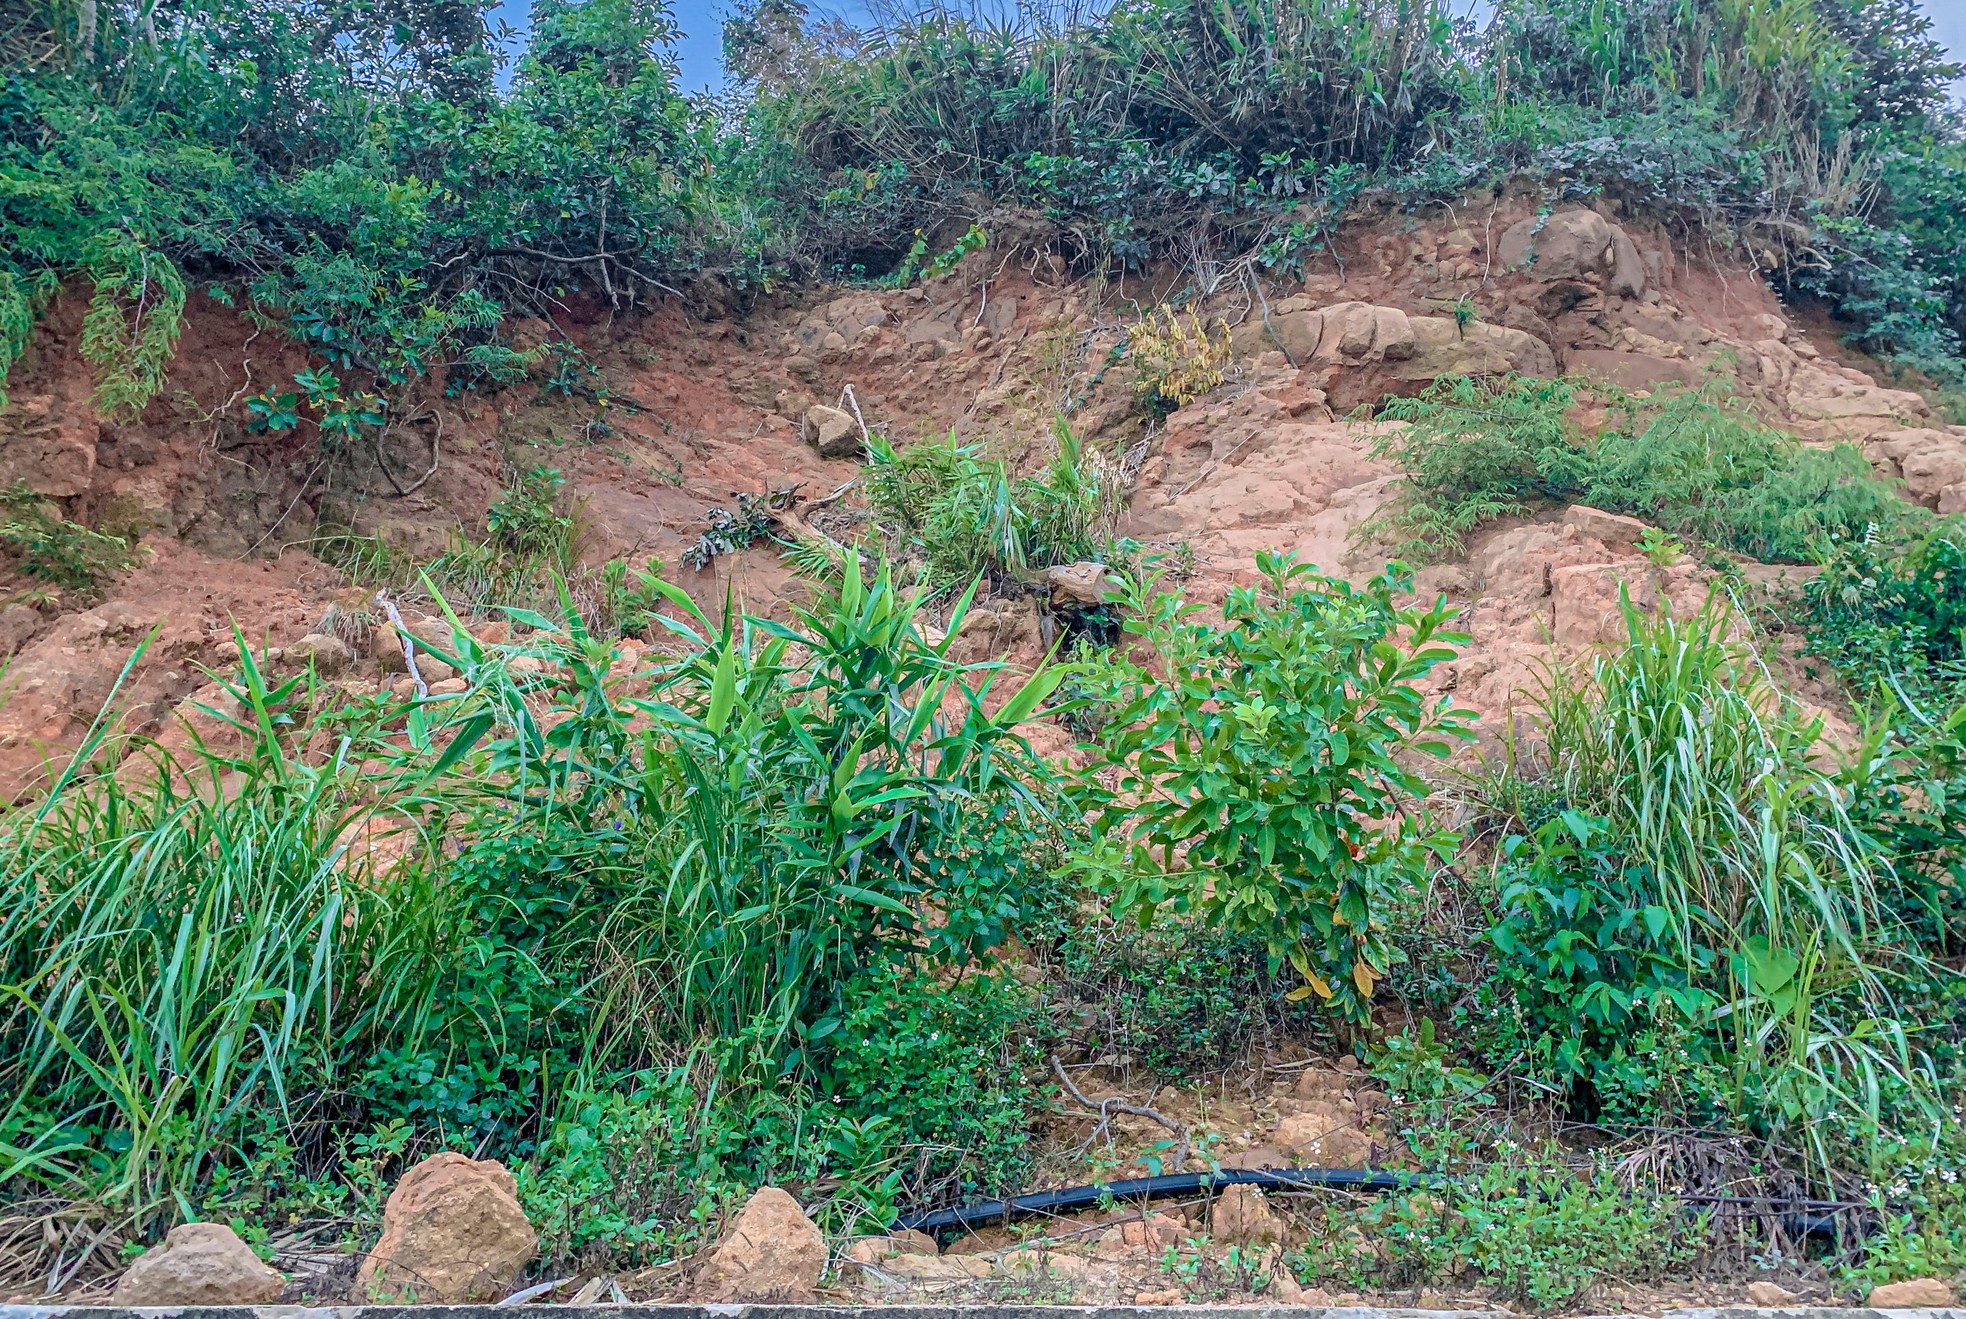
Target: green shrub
point(1276, 749)
point(1697, 462)
point(48, 547)
point(1178, 998)
point(1890, 611)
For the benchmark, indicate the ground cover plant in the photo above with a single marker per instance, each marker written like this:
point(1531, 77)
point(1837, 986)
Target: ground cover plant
point(1696, 462)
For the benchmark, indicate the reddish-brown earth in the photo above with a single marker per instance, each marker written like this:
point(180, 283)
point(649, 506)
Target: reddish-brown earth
point(702, 410)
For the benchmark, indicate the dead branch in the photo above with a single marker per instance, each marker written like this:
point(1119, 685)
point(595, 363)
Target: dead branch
point(1105, 1108)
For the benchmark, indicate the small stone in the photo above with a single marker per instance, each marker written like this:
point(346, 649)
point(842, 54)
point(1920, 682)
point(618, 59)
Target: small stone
point(1912, 1294)
point(773, 1255)
point(199, 1264)
point(1767, 1293)
point(1169, 1296)
point(433, 669)
point(450, 687)
point(452, 1232)
point(329, 655)
point(831, 431)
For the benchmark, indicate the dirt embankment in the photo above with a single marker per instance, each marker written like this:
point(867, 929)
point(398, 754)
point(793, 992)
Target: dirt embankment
point(699, 411)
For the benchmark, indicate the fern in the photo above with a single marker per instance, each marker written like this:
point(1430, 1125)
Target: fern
point(131, 329)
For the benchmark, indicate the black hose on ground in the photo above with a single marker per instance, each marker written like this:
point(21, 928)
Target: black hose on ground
point(1815, 1217)
point(1072, 1198)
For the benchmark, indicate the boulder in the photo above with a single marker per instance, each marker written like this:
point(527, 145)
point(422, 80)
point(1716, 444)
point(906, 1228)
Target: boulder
point(199, 1264)
point(1912, 1294)
point(1586, 604)
point(330, 656)
point(1612, 529)
point(452, 1232)
point(1241, 1216)
point(1567, 244)
point(831, 431)
point(1444, 348)
point(773, 1255)
point(1627, 266)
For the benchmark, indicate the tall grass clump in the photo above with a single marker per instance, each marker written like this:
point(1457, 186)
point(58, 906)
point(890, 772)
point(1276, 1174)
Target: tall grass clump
point(963, 514)
point(195, 939)
point(1690, 911)
point(239, 970)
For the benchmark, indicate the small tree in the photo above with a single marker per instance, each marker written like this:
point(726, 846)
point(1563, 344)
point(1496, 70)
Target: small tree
point(1261, 770)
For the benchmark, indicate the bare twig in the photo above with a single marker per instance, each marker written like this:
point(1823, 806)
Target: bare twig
point(403, 636)
point(1105, 1108)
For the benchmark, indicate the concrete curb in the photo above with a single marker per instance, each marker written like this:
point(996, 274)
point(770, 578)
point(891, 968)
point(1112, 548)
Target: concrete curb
point(983, 1311)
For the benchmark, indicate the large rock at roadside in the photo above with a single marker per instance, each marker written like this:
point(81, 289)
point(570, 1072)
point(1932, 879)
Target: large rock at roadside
point(1914, 1294)
point(1569, 244)
point(772, 1255)
point(452, 1232)
point(1241, 1216)
point(199, 1264)
point(831, 431)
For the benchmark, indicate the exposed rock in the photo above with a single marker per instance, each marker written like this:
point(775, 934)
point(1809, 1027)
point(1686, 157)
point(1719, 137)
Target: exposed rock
point(18, 624)
point(1241, 1215)
point(1635, 370)
point(1154, 1233)
point(1568, 244)
point(1613, 529)
point(1913, 1294)
point(199, 1264)
point(1327, 1134)
point(49, 446)
point(1586, 603)
point(831, 431)
point(1444, 348)
point(1082, 584)
point(329, 655)
point(1768, 1294)
point(432, 669)
point(1039, 1263)
point(1627, 267)
point(773, 1255)
point(452, 1232)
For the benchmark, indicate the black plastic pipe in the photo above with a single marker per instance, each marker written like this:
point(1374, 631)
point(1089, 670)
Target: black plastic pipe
point(1816, 1217)
point(1155, 1188)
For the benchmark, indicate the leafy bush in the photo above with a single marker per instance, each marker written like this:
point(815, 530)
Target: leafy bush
point(1697, 462)
point(1885, 611)
point(1177, 998)
point(1275, 752)
point(1177, 363)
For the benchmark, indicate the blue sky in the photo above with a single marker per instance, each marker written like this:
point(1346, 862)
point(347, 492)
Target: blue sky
point(700, 51)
